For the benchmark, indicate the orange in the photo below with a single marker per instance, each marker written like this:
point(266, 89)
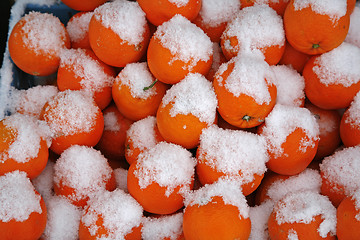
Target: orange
point(23, 211)
point(217, 211)
point(278, 5)
point(35, 43)
point(141, 135)
point(80, 5)
point(119, 33)
point(348, 222)
point(160, 176)
point(340, 174)
point(303, 214)
point(255, 29)
point(80, 172)
point(244, 100)
point(23, 146)
point(294, 58)
point(136, 93)
point(158, 12)
point(292, 134)
point(332, 79)
point(80, 69)
point(231, 153)
point(112, 141)
point(179, 47)
point(214, 16)
point(74, 118)
point(313, 27)
point(349, 125)
point(78, 29)
point(261, 194)
point(350, 6)
point(329, 126)
point(112, 215)
point(186, 109)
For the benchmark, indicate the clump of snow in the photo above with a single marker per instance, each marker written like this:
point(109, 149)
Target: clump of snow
point(214, 12)
point(70, 112)
point(335, 9)
point(32, 100)
point(43, 33)
point(353, 35)
point(179, 3)
point(255, 27)
point(90, 71)
point(259, 216)
point(339, 66)
point(121, 178)
point(125, 18)
point(192, 95)
point(283, 120)
point(303, 206)
point(163, 227)
point(111, 122)
point(309, 179)
point(44, 182)
point(229, 190)
point(354, 111)
point(25, 130)
point(292, 235)
point(167, 164)
point(290, 86)
point(238, 154)
point(18, 197)
point(63, 220)
point(356, 197)
point(250, 76)
point(137, 76)
point(343, 168)
point(120, 213)
point(186, 41)
point(78, 26)
point(84, 169)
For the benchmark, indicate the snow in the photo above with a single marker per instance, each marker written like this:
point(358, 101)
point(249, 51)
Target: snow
point(259, 216)
point(111, 122)
point(163, 227)
point(335, 9)
point(353, 35)
point(214, 12)
point(354, 111)
point(121, 178)
point(179, 3)
point(78, 26)
point(44, 182)
point(18, 197)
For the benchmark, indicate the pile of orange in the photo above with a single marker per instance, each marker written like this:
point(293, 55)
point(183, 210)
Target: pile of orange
point(185, 119)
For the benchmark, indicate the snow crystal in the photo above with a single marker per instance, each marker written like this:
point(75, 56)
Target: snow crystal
point(78, 26)
point(259, 216)
point(167, 164)
point(18, 197)
point(192, 95)
point(125, 18)
point(232, 152)
point(339, 66)
point(111, 122)
point(353, 35)
point(163, 227)
point(215, 12)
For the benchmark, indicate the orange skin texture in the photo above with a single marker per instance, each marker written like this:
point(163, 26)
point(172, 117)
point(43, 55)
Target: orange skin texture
point(33, 167)
point(347, 227)
point(30, 229)
point(215, 220)
point(292, 161)
point(63, 190)
point(113, 50)
point(350, 6)
point(279, 6)
point(333, 190)
point(271, 53)
point(349, 133)
point(84, 233)
point(294, 58)
point(305, 27)
point(172, 128)
point(160, 11)
point(214, 33)
point(132, 152)
point(332, 96)
point(68, 79)
point(135, 108)
point(208, 175)
point(27, 59)
point(112, 143)
point(152, 198)
point(84, 42)
point(270, 177)
point(158, 58)
point(304, 231)
point(81, 5)
point(233, 109)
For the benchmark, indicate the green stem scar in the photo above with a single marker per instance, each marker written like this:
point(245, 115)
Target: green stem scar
point(246, 118)
point(151, 85)
point(315, 46)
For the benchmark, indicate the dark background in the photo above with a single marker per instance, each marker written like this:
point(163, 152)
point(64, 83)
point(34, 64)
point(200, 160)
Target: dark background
point(4, 22)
